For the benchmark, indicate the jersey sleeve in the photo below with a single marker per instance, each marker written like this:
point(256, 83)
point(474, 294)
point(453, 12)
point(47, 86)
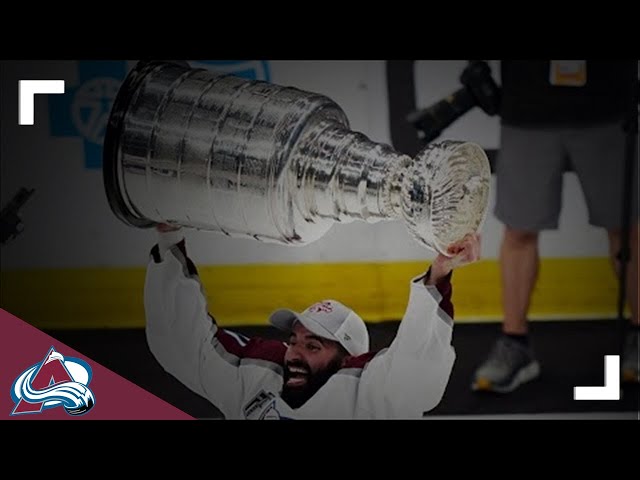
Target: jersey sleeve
point(186, 340)
point(410, 377)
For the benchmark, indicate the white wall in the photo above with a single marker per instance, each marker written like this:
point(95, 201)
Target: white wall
point(69, 224)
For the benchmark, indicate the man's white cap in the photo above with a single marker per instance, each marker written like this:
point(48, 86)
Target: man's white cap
point(328, 319)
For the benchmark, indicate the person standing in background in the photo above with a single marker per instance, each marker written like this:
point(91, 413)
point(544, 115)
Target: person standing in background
point(557, 115)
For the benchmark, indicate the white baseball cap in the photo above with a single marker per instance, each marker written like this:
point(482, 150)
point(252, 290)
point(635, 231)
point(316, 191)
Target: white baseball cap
point(328, 319)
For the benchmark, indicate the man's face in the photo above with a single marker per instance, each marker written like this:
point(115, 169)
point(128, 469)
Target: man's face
point(309, 362)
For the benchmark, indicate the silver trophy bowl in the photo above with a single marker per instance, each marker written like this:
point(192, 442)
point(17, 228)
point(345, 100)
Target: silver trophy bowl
point(246, 158)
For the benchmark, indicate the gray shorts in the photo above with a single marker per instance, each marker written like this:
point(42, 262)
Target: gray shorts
point(530, 168)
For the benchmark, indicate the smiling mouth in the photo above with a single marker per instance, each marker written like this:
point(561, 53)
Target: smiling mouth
point(297, 376)
point(296, 381)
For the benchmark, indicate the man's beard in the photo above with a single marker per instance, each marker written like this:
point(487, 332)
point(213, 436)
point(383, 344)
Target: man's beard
point(295, 397)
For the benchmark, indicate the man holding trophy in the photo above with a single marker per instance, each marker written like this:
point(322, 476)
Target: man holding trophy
point(188, 148)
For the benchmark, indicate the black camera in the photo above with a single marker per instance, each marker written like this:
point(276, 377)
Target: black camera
point(479, 89)
point(10, 222)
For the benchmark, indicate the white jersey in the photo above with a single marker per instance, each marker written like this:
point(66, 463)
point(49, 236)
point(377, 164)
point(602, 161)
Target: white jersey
point(244, 377)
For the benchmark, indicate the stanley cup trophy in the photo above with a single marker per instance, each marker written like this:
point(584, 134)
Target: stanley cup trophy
point(215, 152)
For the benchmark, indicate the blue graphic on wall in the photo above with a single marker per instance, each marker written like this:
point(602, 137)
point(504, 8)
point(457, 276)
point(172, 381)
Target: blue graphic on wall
point(83, 110)
point(249, 69)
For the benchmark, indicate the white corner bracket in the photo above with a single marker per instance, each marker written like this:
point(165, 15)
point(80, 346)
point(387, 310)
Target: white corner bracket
point(26, 91)
point(611, 388)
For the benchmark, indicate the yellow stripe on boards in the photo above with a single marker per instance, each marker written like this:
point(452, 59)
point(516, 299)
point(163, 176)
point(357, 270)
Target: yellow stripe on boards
point(245, 294)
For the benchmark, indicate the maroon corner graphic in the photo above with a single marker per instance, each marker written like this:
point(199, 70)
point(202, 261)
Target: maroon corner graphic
point(109, 396)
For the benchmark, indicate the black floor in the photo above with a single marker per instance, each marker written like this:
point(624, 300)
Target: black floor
point(571, 354)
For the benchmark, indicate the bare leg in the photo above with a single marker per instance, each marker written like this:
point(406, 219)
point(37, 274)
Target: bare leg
point(519, 263)
point(632, 276)
point(511, 362)
point(632, 267)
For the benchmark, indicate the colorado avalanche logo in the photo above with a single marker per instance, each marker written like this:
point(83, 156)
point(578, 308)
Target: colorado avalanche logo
point(54, 382)
point(321, 307)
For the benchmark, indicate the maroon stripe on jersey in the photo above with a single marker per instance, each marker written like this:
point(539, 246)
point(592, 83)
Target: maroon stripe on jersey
point(255, 348)
point(155, 254)
point(360, 361)
point(446, 290)
point(191, 268)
